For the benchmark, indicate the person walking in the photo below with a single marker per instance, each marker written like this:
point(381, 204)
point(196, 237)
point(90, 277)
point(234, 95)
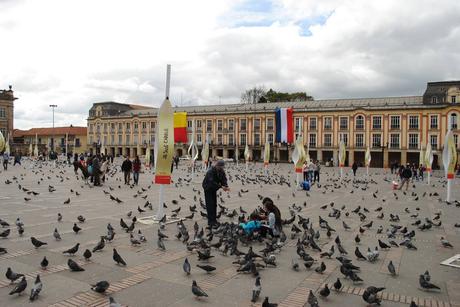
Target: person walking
point(17, 158)
point(126, 168)
point(316, 171)
point(305, 171)
point(176, 161)
point(406, 174)
point(104, 168)
point(354, 167)
point(6, 158)
point(136, 169)
point(96, 171)
point(214, 180)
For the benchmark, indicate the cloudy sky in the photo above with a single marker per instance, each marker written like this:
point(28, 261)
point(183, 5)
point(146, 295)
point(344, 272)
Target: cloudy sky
point(75, 53)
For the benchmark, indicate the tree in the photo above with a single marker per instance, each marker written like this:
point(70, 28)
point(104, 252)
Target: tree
point(253, 95)
point(274, 96)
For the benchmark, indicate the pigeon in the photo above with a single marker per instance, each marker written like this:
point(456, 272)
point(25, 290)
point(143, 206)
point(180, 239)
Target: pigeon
point(73, 250)
point(196, 290)
point(312, 300)
point(44, 263)
point(101, 286)
point(160, 244)
point(370, 295)
point(3, 251)
point(74, 267)
point(81, 218)
point(338, 285)
point(75, 228)
point(426, 285)
point(5, 234)
point(99, 245)
point(325, 291)
point(37, 243)
point(67, 201)
point(87, 254)
point(321, 268)
point(113, 303)
point(186, 266)
point(56, 235)
point(12, 276)
point(446, 243)
point(36, 289)
point(59, 218)
point(117, 258)
point(20, 287)
point(256, 290)
point(266, 303)
point(391, 268)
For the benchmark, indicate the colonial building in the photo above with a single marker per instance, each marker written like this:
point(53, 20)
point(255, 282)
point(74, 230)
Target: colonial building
point(75, 136)
point(395, 128)
point(6, 111)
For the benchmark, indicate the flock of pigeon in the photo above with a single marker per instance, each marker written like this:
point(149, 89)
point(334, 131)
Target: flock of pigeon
point(315, 241)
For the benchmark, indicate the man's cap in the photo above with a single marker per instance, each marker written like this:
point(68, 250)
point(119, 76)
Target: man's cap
point(220, 163)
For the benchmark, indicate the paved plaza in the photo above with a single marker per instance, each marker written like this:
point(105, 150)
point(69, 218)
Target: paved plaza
point(153, 277)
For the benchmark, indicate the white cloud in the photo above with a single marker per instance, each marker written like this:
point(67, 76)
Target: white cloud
point(76, 53)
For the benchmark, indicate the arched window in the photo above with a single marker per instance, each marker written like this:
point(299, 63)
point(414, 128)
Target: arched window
point(453, 121)
point(359, 122)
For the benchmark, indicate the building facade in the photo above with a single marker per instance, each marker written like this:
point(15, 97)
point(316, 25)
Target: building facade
point(395, 128)
point(44, 137)
point(7, 111)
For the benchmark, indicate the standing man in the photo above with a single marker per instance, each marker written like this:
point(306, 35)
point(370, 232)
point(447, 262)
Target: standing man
point(317, 169)
point(354, 167)
point(406, 174)
point(176, 161)
point(96, 171)
point(126, 168)
point(214, 180)
point(17, 158)
point(6, 158)
point(136, 169)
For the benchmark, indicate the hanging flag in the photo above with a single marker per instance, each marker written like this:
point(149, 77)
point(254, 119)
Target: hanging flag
point(367, 157)
point(449, 155)
point(421, 160)
point(246, 153)
point(298, 155)
point(205, 152)
point(428, 157)
point(7, 145)
point(284, 125)
point(2, 142)
point(180, 127)
point(342, 154)
point(267, 153)
point(165, 139)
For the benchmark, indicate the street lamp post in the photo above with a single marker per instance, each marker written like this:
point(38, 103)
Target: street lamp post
point(52, 140)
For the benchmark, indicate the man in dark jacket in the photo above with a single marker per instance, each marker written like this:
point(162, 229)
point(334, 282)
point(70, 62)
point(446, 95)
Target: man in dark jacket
point(214, 180)
point(126, 168)
point(406, 174)
point(96, 171)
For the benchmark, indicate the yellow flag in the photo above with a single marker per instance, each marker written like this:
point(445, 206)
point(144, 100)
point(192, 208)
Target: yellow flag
point(298, 155)
point(267, 153)
point(165, 139)
point(246, 153)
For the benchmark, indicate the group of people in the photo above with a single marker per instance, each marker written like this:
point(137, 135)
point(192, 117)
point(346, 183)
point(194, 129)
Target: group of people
point(409, 173)
point(128, 167)
point(94, 166)
point(267, 221)
point(6, 159)
point(311, 170)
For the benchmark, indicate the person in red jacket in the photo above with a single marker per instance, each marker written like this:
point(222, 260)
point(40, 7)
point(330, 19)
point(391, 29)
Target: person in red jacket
point(136, 169)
